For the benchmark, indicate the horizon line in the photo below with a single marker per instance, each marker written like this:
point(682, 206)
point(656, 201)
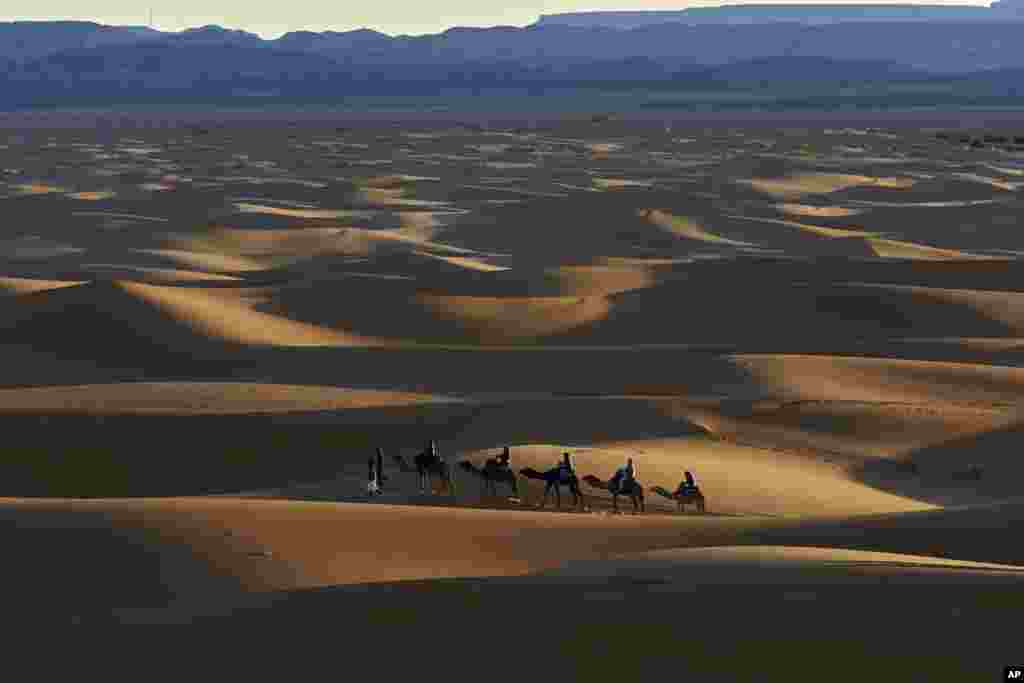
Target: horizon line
point(277, 33)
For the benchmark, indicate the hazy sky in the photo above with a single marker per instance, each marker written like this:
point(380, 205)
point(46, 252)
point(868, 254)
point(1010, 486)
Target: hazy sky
point(390, 16)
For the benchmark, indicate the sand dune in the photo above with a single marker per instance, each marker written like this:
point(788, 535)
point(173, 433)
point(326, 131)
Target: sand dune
point(814, 229)
point(603, 279)
point(686, 228)
point(778, 564)
point(818, 211)
point(910, 250)
point(245, 207)
point(847, 392)
point(507, 318)
point(849, 378)
point(272, 248)
point(197, 398)
point(267, 545)
point(207, 260)
point(801, 184)
point(19, 285)
point(735, 479)
point(236, 320)
point(846, 428)
point(1005, 307)
point(465, 262)
point(162, 275)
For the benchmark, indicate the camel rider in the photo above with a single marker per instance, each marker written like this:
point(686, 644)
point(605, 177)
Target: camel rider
point(625, 476)
point(504, 460)
point(566, 469)
point(687, 485)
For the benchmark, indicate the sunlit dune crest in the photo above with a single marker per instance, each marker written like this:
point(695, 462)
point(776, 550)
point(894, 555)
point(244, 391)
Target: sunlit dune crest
point(604, 279)
point(236, 320)
point(19, 285)
point(467, 262)
point(199, 398)
point(682, 226)
point(208, 260)
point(855, 378)
point(511, 318)
point(823, 183)
point(817, 211)
point(815, 229)
point(857, 429)
point(910, 250)
point(391, 196)
point(247, 207)
point(758, 559)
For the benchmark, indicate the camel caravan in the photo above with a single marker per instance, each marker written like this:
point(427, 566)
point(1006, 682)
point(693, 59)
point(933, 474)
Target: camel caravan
point(496, 474)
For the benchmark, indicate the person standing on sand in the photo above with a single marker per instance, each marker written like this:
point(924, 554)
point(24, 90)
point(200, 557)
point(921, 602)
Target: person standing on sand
point(567, 469)
point(373, 481)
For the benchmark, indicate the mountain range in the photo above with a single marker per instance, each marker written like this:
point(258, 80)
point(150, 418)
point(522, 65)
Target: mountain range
point(65, 62)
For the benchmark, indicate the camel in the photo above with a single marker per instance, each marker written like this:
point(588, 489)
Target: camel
point(492, 474)
point(426, 464)
point(635, 491)
point(552, 480)
point(682, 497)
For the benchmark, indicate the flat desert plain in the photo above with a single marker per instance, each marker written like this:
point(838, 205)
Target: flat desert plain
point(207, 331)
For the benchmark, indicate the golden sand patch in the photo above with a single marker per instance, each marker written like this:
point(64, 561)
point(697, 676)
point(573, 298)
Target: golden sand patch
point(877, 380)
point(392, 196)
point(911, 250)
point(823, 183)
point(234, 318)
point(208, 260)
point(755, 559)
point(732, 476)
point(850, 428)
point(200, 398)
point(817, 211)
point(19, 285)
point(246, 207)
point(498, 318)
point(603, 279)
point(815, 229)
point(682, 226)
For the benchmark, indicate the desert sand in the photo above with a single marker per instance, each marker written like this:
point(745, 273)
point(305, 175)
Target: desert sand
point(194, 379)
